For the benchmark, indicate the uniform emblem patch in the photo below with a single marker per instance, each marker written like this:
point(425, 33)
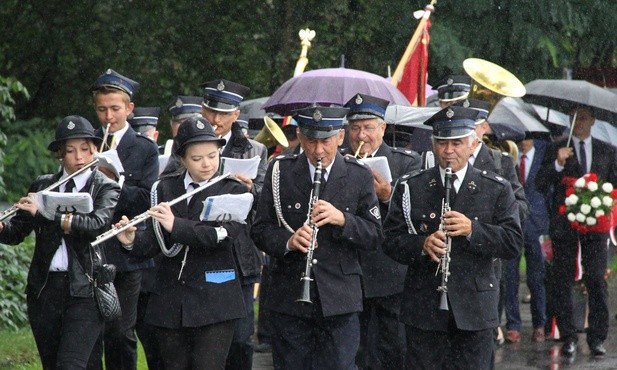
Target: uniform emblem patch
point(375, 212)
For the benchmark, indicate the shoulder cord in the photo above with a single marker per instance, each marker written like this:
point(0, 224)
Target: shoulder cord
point(406, 204)
point(177, 247)
point(276, 195)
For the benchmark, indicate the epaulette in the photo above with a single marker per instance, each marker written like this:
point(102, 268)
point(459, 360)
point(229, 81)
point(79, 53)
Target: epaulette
point(140, 135)
point(406, 152)
point(286, 156)
point(412, 174)
point(355, 161)
point(493, 176)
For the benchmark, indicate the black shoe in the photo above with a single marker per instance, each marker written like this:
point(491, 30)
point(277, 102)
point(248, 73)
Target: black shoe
point(569, 348)
point(597, 350)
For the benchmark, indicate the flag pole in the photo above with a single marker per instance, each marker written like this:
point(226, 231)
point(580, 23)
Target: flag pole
point(413, 44)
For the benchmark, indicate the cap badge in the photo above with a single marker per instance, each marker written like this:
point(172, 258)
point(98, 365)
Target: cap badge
point(200, 125)
point(358, 99)
point(466, 104)
point(179, 103)
point(449, 113)
point(317, 116)
point(450, 81)
point(220, 86)
point(108, 72)
point(71, 125)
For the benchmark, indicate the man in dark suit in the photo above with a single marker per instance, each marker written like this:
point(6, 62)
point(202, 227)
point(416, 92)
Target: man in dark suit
point(113, 94)
point(381, 334)
point(482, 224)
point(536, 224)
point(323, 334)
point(585, 154)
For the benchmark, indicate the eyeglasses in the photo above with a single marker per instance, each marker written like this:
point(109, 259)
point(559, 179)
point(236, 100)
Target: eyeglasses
point(368, 129)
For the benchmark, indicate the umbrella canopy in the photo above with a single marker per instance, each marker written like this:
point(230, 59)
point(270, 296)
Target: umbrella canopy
point(563, 95)
point(515, 112)
point(330, 86)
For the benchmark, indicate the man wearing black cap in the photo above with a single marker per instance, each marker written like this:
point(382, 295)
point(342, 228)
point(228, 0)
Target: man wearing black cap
point(382, 277)
point(324, 333)
point(452, 89)
point(482, 223)
point(113, 95)
point(144, 121)
point(221, 106)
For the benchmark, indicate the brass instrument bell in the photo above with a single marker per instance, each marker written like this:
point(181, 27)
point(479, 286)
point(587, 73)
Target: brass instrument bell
point(490, 82)
point(271, 134)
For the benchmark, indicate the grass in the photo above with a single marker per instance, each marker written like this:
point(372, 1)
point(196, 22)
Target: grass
point(18, 351)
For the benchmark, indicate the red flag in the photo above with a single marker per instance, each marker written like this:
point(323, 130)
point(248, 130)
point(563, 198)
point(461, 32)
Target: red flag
point(413, 81)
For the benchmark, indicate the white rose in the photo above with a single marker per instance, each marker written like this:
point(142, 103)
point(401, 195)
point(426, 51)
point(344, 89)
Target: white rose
point(607, 187)
point(580, 217)
point(599, 213)
point(595, 202)
point(592, 186)
point(571, 200)
point(607, 201)
point(580, 183)
point(590, 221)
point(571, 217)
point(585, 209)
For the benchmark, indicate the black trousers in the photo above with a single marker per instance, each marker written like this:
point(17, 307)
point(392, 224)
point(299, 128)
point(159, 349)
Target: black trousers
point(315, 343)
point(65, 328)
point(147, 334)
point(241, 351)
point(204, 347)
point(594, 254)
point(454, 349)
point(119, 339)
point(382, 335)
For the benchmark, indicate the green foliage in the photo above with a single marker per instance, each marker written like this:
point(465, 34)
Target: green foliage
point(14, 264)
point(26, 155)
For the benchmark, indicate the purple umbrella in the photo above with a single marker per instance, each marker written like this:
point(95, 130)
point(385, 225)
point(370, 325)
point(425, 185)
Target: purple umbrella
point(330, 86)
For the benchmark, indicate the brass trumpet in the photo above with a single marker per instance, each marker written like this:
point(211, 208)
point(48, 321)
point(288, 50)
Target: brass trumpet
point(11, 211)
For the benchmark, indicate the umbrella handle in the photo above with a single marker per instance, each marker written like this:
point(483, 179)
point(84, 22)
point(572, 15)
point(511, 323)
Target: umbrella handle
point(572, 128)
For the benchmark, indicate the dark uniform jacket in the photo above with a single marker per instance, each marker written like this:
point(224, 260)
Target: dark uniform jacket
point(502, 164)
point(139, 157)
point(548, 181)
point(381, 275)
point(208, 289)
point(349, 188)
point(473, 289)
point(84, 229)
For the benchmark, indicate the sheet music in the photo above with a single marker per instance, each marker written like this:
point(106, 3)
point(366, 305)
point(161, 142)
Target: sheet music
point(379, 165)
point(245, 167)
point(227, 207)
point(109, 159)
point(53, 201)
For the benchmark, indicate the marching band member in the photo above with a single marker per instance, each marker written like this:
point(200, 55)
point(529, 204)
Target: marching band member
point(326, 333)
point(197, 295)
point(62, 311)
point(483, 223)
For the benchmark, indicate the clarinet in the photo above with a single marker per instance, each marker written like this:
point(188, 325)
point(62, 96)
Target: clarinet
point(306, 275)
point(444, 263)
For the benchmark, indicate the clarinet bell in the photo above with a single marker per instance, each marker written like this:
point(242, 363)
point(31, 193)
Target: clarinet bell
point(306, 291)
point(443, 303)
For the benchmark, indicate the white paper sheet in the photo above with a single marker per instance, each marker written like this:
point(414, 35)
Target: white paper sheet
point(245, 167)
point(227, 207)
point(379, 165)
point(53, 201)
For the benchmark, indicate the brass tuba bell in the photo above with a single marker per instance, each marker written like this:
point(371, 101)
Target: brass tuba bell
point(491, 82)
point(271, 134)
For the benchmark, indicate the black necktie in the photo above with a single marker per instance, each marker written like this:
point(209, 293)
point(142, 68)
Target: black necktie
point(453, 189)
point(70, 185)
point(110, 139)
point(582, 153)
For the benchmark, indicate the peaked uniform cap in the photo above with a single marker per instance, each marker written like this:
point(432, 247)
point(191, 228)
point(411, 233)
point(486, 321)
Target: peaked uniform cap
point(363, 106)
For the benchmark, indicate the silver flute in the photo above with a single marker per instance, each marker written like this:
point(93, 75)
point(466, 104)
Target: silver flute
point(11, 211)
point(306, 275)
point(444, 263)
point(144, 216)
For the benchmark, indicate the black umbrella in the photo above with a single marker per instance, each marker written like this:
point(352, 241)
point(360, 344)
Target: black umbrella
point(564, 95)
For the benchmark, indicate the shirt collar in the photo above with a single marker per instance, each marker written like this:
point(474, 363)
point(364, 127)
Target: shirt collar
point(80, 180)
point(188, 180)
point(118, 135)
